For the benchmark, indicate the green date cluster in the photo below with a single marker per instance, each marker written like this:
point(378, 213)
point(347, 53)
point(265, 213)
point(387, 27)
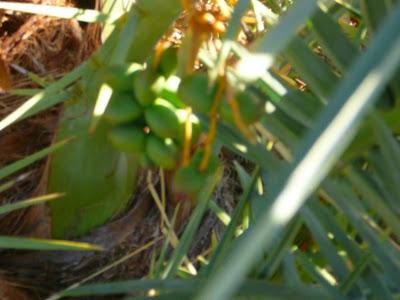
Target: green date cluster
point(145, 119)
point(149, 115)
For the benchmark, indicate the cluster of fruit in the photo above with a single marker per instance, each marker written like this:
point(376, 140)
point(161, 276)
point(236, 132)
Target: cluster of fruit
point(149, 120)
point(153, 114)
point(146, 120)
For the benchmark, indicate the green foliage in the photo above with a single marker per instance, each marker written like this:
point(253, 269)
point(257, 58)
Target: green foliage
point(42, 244)
point(250, 105)
point(319, 215)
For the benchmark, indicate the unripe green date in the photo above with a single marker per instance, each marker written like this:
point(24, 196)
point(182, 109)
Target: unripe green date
point(162, 119)
point(120, 77)
point(190, 179)
point(162, 152)
point(195, 92)
point(122, 108)
point(128, 138)
point(147, 86)
point(169, 61)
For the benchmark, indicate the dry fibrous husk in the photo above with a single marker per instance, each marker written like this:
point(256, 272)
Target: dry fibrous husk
point(50, 48)
point(10, 291)
point(47, 47)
